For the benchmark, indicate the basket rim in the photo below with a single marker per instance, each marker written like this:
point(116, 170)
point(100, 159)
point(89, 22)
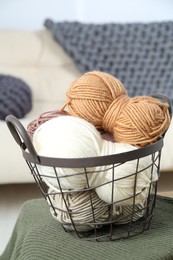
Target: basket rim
point(94, 161)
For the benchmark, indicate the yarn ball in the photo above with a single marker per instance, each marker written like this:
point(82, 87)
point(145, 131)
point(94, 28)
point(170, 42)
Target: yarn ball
point(90, 96)
point(66, 137)
point(33, 125)
point(139, 121)
point(130, 181)
point(15, 97)
point(76, 208)
point(102, 100)
point(51, 137)
point(72, 137)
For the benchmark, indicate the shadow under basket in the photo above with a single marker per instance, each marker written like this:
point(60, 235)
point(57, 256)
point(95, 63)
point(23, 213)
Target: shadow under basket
point(82, 212)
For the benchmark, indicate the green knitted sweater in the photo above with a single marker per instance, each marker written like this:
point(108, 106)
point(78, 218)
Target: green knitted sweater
point(38, 236)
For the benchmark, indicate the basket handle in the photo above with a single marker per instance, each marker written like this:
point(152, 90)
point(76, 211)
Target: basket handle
point(20, 135)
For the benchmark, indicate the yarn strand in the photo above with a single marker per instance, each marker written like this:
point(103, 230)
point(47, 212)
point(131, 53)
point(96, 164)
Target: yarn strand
point(90, 103)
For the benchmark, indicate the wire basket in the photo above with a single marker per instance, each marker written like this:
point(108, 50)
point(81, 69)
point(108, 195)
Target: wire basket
point(81, 211)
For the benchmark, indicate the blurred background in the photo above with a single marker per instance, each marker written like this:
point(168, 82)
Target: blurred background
point(30, 14)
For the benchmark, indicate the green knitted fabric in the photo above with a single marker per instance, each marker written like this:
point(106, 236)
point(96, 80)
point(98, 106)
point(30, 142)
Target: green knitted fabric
point(38, 236)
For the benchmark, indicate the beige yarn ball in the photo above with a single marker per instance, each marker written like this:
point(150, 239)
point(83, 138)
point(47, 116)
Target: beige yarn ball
point(84, 211)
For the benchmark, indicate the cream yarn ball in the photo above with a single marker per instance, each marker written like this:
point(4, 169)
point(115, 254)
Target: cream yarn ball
point(75, 207)
point(124, 177)
point(73, 210)
point(72, 137)
point(66, 137)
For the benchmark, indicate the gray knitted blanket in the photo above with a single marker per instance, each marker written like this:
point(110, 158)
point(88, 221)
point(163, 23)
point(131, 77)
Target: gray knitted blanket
point(140, 55)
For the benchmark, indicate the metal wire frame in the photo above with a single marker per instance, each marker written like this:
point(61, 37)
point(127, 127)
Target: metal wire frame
point(109, 230)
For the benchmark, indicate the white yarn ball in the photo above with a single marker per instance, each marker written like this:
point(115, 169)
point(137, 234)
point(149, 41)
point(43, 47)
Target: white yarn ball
point(66, 137)
point(72, 137)
point(123, 189)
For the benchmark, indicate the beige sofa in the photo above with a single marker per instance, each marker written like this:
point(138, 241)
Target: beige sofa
point(37, 59)
point(46, 68)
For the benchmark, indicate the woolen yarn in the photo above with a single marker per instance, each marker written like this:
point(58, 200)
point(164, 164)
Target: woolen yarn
point(129, 182)
point(90, 96)
point(83, 211)
point(72, 137)
point(75, 207)
point(102, 100)
point(33, 125)
point(66, 137)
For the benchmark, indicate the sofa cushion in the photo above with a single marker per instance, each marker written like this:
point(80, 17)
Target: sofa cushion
point(15, 97)
point(37, 59)
point(25, 48)
point(48, 83)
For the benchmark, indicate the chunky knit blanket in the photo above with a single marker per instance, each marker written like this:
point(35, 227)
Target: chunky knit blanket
point(38, 236)
point(15, 97)
point(140, 55)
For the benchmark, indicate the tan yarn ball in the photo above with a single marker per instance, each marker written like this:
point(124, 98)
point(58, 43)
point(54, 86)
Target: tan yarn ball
point(102, 100)
point(139, 121)
point(90, 96)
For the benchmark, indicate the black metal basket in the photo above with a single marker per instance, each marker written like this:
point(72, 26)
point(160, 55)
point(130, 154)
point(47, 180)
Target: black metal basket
point(90, 218)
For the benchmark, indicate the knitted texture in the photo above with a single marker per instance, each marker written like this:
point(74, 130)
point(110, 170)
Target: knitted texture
point(139, 54)
point(15, 97)
point(101, 99)
point(37, 235)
